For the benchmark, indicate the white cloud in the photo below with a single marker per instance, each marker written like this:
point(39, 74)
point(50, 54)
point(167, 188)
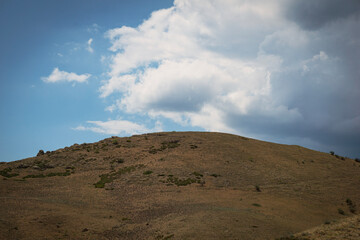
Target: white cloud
point(89, 48)
point(238, 66)
point(94, 28)
point(117, 127)
point(61, 76)
point(187, 69)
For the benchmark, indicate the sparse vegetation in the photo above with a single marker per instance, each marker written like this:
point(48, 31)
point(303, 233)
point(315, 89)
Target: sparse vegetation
point(104, 178)
point(351, 205)
point(7, 173)
point(170, 144)
point(260, 185)
point(162, 237)
point(42, 165)
point(293, 238)
point(118, 160)
point(109, 177)
point(67, 173)
point(148, 172)
point(181, 181)
point(153, 150)
point(215, 175)
point(164, 145)
point(197, 175)
point(340, 211)
point(337, 156)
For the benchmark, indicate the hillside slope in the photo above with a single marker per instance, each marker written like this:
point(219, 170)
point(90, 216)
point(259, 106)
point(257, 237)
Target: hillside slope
point(178, 185)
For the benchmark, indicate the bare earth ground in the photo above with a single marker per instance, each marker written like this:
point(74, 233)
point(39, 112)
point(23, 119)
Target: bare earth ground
point(186, 185)
point(348, 228)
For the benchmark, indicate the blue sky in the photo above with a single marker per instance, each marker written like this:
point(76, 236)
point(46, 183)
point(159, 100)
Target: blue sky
point(80, 71)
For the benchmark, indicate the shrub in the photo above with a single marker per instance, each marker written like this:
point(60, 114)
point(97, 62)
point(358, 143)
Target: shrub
point(109, 177)
point(332, 153)
point(193, 146)
point(215, 175)
point(67, 173)
point(351, 205)
point(148, 172)
point(119, 160)
point(104, 178)
point(257, 188)
point(7, 173)
point(197, 175)
point(153, 151)
point(115, 142)
point(340, 211)
point(43, 165)
point(181, 182)
point(170, 144)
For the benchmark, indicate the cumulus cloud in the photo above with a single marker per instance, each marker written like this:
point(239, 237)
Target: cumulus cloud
point(62, 76)
point(117, 127)
point(247, 67)
point(89, 48)
point(315, 14)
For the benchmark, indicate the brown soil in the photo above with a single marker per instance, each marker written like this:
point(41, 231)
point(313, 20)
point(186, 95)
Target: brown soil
point(186, 185)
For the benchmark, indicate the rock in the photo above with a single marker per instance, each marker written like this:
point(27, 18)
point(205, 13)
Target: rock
point(40, 153)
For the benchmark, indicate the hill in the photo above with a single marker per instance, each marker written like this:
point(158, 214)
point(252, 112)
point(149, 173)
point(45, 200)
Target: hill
point(177, 185)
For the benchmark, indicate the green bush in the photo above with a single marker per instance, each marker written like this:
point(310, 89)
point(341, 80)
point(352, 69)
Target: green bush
point(196, 174)
point(67, 173)
point(340, 211)
point(215, 175)
point(148, 172)
point(181, 182)
point(7, 173)
point(109, 177)
point(351, 205)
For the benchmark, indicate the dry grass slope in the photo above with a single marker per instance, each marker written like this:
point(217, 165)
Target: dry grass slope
point(186, 185)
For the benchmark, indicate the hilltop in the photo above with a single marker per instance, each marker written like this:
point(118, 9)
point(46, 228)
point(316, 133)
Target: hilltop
point(178, 185)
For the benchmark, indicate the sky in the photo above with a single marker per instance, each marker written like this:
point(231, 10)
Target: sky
point(284, 71)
